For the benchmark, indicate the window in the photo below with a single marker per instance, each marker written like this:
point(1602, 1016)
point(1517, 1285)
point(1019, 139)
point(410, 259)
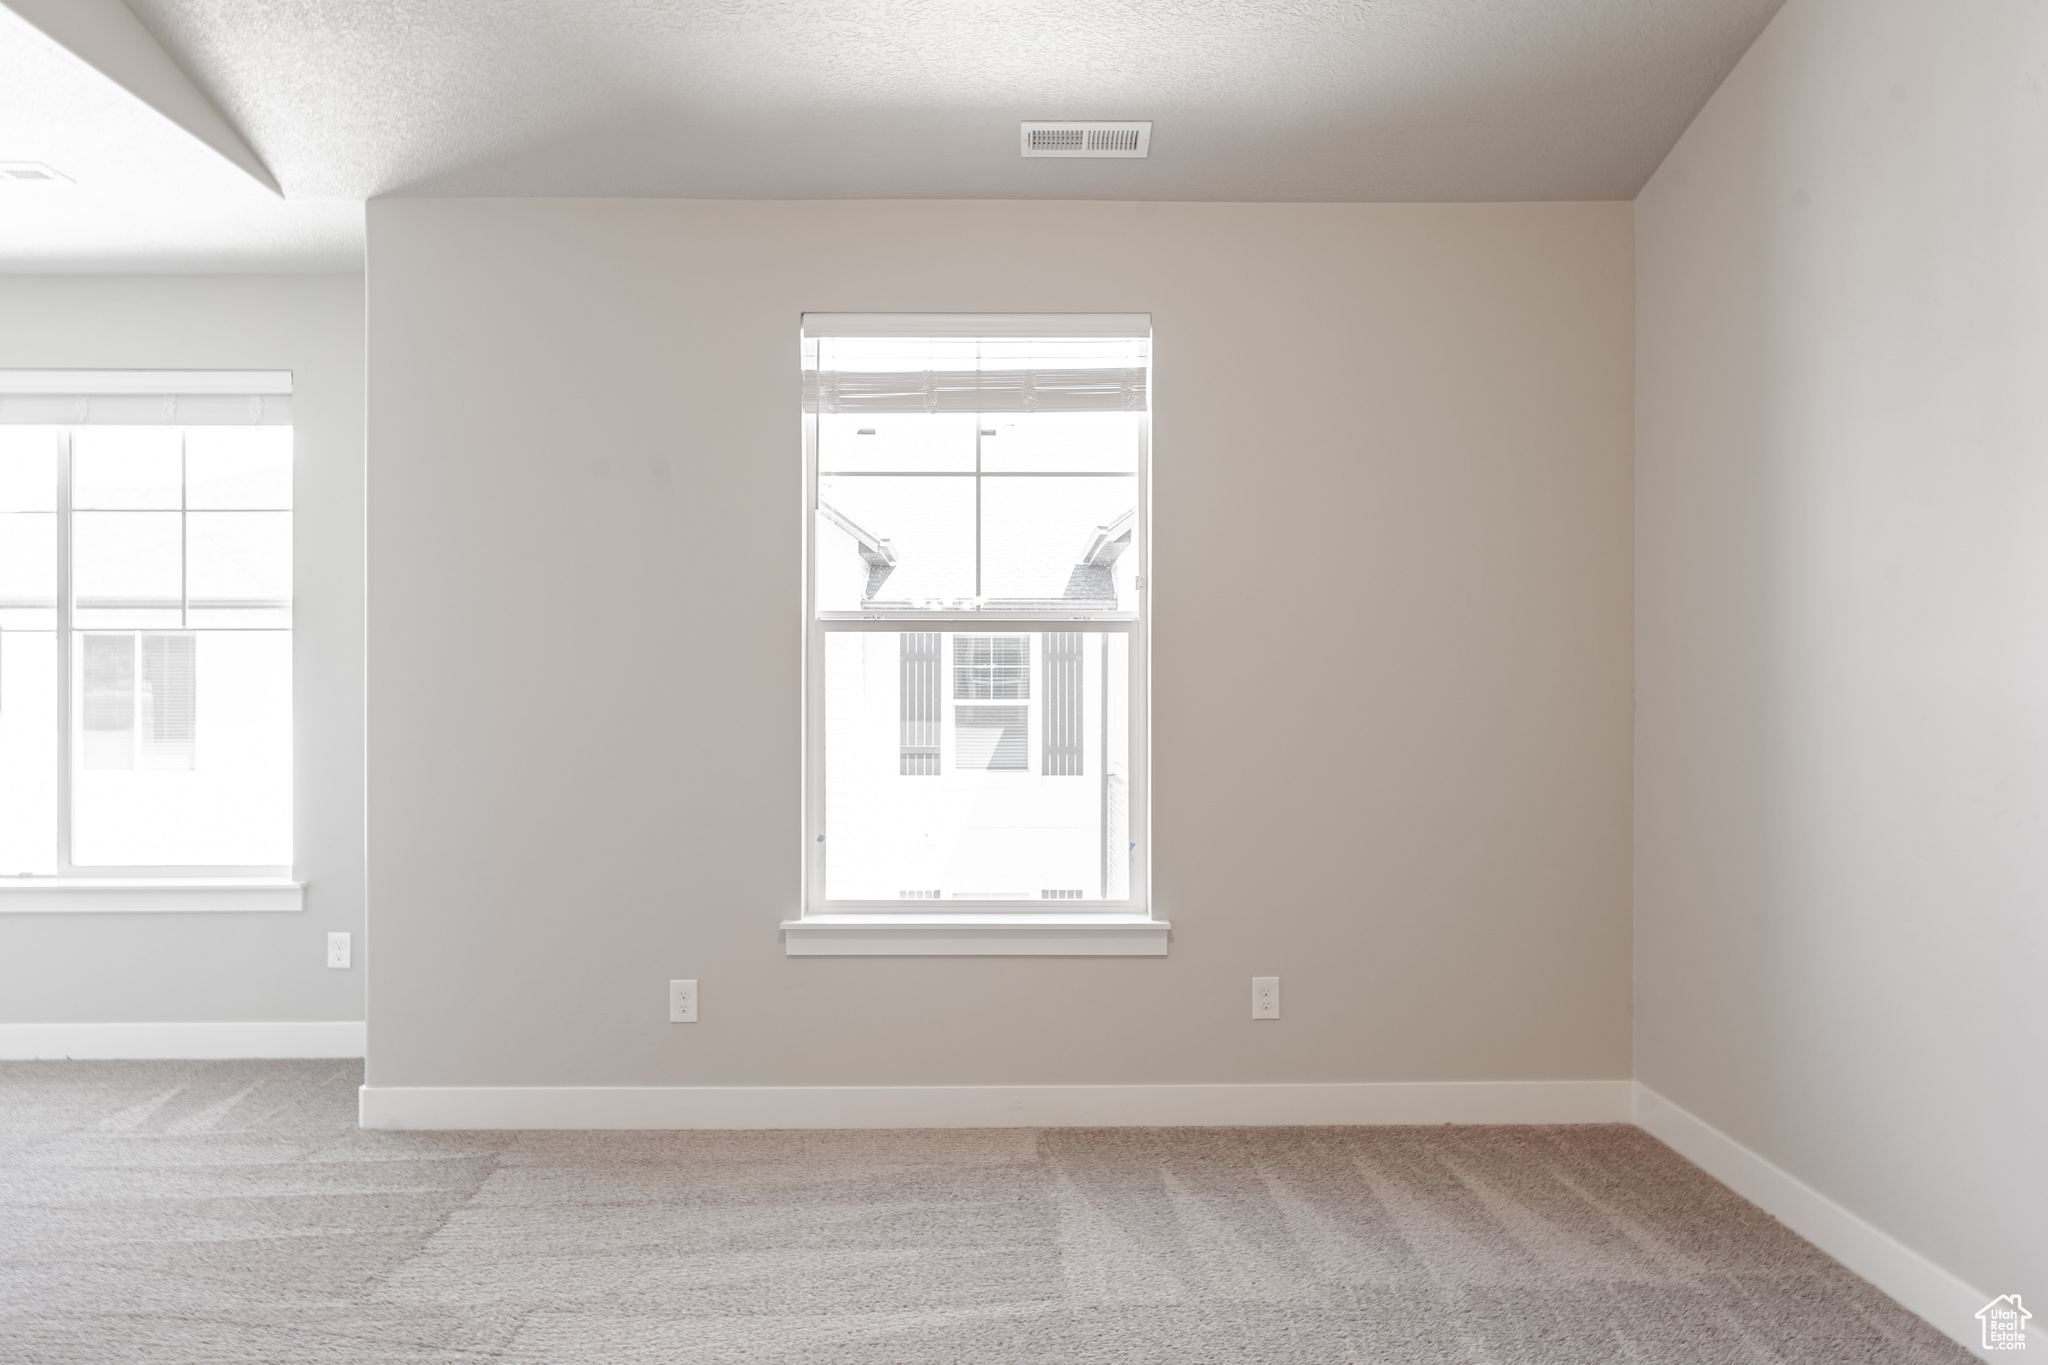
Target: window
point(977, 492)
point(986, 666)
point(145, 625)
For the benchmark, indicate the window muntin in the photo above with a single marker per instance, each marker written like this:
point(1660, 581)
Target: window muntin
point(958, 483)
point(145, 646)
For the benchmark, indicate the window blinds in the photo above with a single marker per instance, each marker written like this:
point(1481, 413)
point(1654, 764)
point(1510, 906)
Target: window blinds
point(145, 398)
point(933, 391)
point(1008, 326)
point(935, 363)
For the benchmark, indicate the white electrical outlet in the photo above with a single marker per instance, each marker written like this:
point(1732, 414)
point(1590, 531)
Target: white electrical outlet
point(337, 951)
point(682, 1002)
point(1265, 997)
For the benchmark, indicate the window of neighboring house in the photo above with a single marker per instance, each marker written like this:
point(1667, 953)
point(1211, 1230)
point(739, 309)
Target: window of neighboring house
point(145, 624)
point(986, 666)
point(978, 495)
point(991, 738)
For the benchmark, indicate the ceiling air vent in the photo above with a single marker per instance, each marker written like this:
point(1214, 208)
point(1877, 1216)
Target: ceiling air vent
point(1087, 139)
point(30, 173)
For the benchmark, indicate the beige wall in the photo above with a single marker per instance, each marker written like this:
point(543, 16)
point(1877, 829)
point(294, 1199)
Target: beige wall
point(1842, 780)
point(1392, 698)
point(238, 968)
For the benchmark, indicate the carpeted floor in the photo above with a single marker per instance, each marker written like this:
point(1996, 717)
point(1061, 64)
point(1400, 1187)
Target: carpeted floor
point(213, 1212)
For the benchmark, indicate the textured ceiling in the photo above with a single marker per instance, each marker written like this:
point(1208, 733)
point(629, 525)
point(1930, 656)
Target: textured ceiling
point(1251, 99)
point(144, 194)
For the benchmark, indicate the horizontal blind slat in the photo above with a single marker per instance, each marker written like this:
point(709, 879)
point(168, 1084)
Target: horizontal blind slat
point(1121, 389)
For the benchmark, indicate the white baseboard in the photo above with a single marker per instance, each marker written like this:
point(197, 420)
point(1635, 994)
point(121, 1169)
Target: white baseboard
point(1921, 1286)
point(199, 1042)
point(992, 1106)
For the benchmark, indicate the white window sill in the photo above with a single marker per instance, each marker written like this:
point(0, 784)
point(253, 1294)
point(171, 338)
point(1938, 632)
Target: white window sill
point(882, 935)
point(148, 895)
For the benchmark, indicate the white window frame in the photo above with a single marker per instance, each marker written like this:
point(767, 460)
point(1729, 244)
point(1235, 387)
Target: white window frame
point(129, 888)
point(1062, 928)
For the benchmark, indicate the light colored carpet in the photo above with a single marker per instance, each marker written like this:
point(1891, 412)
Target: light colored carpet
point(213, 1212)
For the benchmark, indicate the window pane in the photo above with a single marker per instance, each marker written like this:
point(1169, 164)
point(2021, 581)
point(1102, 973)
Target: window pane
point(239, 568)
point(926, 526)
point(28, 528)
point(238, 467)
point(1061, 441)
point(899, 442)
point(932, 794)
point(28, 752)
point(28, 469)
point(28, 571)
point(125, 568)
point(135, 467)
point(1059, 543)
point(211, 781)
